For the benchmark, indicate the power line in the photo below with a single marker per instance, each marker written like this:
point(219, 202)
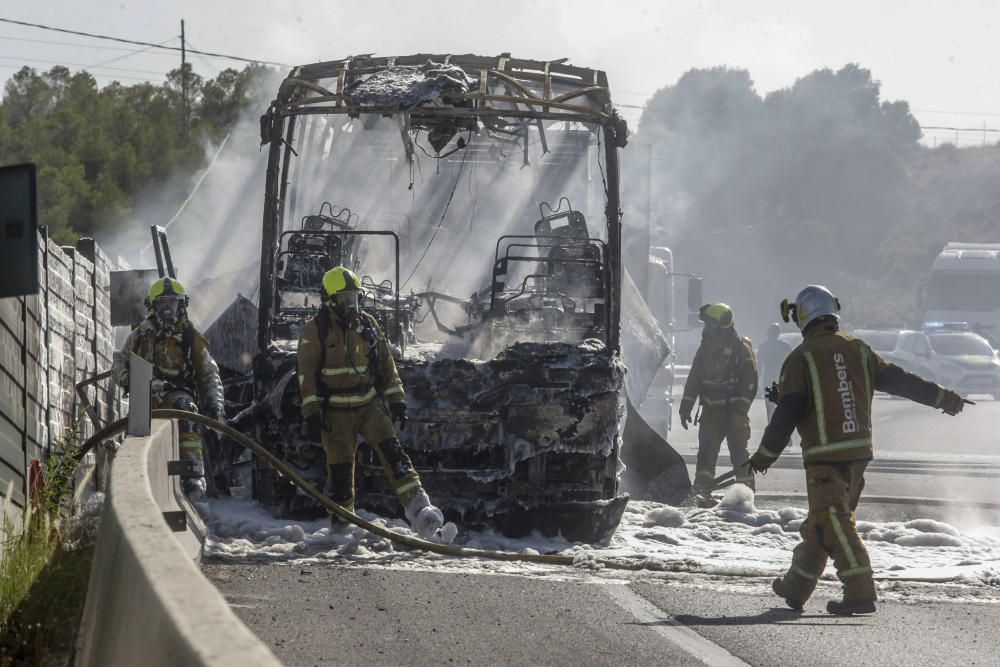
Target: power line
point(138, 43)
point(115, 76)
point(61, 62)
point(959, 129)
point(76, 44)
point(129, 54)
point(204, 60)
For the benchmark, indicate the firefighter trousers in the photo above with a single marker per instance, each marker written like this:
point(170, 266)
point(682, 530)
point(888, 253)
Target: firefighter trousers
point(731, 424)
point(192, 440)
point(829, 532)
point(340, 441)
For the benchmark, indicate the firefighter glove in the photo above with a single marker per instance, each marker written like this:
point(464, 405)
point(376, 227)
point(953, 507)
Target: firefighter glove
point(759, 463)
point(398, 412)
point(771, 392)
point(952, 403)
point(157, 388)
point(685, 415)
point(314, 426)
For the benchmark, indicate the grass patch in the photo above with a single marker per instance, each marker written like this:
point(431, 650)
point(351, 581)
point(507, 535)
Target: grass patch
point(44, 572)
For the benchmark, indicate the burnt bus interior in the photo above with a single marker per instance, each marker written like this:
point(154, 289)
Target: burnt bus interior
point(477, 197)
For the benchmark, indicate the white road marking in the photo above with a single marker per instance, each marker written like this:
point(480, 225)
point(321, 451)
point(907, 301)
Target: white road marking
point(676, 633)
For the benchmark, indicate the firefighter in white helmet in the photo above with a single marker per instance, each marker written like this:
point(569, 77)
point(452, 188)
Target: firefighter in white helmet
point(825, 391)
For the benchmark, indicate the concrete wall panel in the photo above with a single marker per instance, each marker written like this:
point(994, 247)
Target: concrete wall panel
point(148, 602)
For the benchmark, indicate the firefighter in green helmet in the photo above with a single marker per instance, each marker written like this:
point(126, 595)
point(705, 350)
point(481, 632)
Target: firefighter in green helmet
point(346, 371)
point(185, 376)
point(723, 377)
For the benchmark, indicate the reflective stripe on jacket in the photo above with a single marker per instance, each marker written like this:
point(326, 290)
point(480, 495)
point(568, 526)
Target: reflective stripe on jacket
point(346, 374)
point(836, 372)
point(723, 373)
point(193, 370)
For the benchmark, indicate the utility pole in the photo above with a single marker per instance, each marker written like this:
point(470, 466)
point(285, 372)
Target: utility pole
point(184, 89)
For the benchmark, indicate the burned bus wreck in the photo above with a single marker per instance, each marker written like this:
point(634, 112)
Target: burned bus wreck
point(478, 199)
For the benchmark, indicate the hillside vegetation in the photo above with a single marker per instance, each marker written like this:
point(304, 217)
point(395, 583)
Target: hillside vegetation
point(820, 182)
point(99, 149)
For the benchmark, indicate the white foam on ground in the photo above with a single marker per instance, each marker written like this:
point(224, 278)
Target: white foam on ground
point(730, 546)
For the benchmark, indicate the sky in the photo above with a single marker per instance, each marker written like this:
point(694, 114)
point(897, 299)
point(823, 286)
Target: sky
point(937, 56)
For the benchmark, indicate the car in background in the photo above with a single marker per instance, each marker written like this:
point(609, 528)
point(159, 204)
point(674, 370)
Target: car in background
point(882, 341)
point(953, 357)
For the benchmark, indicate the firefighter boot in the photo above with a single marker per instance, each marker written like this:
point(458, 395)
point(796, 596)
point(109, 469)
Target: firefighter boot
point(778, 586)
point(193, 484)
point(850, 607)
point(194, 488)
point(339, 488)
point(423, 517)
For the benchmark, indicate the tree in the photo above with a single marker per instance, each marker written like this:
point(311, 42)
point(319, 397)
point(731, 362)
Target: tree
point(764, 195)
point(98, 148)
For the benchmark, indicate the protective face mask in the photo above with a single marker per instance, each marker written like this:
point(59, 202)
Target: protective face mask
point(345, 305)
point(167, 311)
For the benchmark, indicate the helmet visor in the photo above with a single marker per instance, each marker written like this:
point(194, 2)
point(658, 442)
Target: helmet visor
point(168, 310)
point(346, 301)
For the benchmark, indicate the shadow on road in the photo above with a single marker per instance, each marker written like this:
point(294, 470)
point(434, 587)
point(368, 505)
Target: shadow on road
point(773, 616)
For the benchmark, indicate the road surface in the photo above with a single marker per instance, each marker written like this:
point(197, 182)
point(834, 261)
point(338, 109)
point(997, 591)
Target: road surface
point(928, 465)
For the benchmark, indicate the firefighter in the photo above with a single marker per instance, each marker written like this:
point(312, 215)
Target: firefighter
point(346, 371)
point(825, 391)
point(185, 376)
point(723, 377)
point(770, 356)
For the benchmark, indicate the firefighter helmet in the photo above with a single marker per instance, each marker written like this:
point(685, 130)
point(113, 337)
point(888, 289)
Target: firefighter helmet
point(168, 300)
point(813, 302)
point(340, 279)
point(166, 287)
point(718, 314)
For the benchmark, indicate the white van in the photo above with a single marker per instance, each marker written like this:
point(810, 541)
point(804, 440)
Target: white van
point(965, 287)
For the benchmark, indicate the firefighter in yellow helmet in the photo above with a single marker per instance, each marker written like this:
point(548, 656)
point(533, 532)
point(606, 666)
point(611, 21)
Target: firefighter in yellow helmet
point(723, 377)
point(185, 376)
point(825, 391)
point(346, 371)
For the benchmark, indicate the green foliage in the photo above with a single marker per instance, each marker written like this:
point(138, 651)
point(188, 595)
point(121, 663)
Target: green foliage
point(26, 549)
point(37, 569)
point(59, 473)
point(98, 148)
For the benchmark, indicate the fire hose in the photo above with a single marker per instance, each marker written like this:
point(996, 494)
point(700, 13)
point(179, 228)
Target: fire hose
point(121, 425)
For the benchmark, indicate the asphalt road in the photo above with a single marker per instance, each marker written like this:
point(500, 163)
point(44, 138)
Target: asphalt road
point(928, 465)
point(334, 614)
point(921, 454)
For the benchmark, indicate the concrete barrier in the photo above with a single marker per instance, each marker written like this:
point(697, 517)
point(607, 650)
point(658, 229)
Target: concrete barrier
point(148, 602)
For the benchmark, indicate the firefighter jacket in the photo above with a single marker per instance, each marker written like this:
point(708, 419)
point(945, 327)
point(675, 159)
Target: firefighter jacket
point(723, 374)
point(825, 391)
point(182, 359)
point(342, 367)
